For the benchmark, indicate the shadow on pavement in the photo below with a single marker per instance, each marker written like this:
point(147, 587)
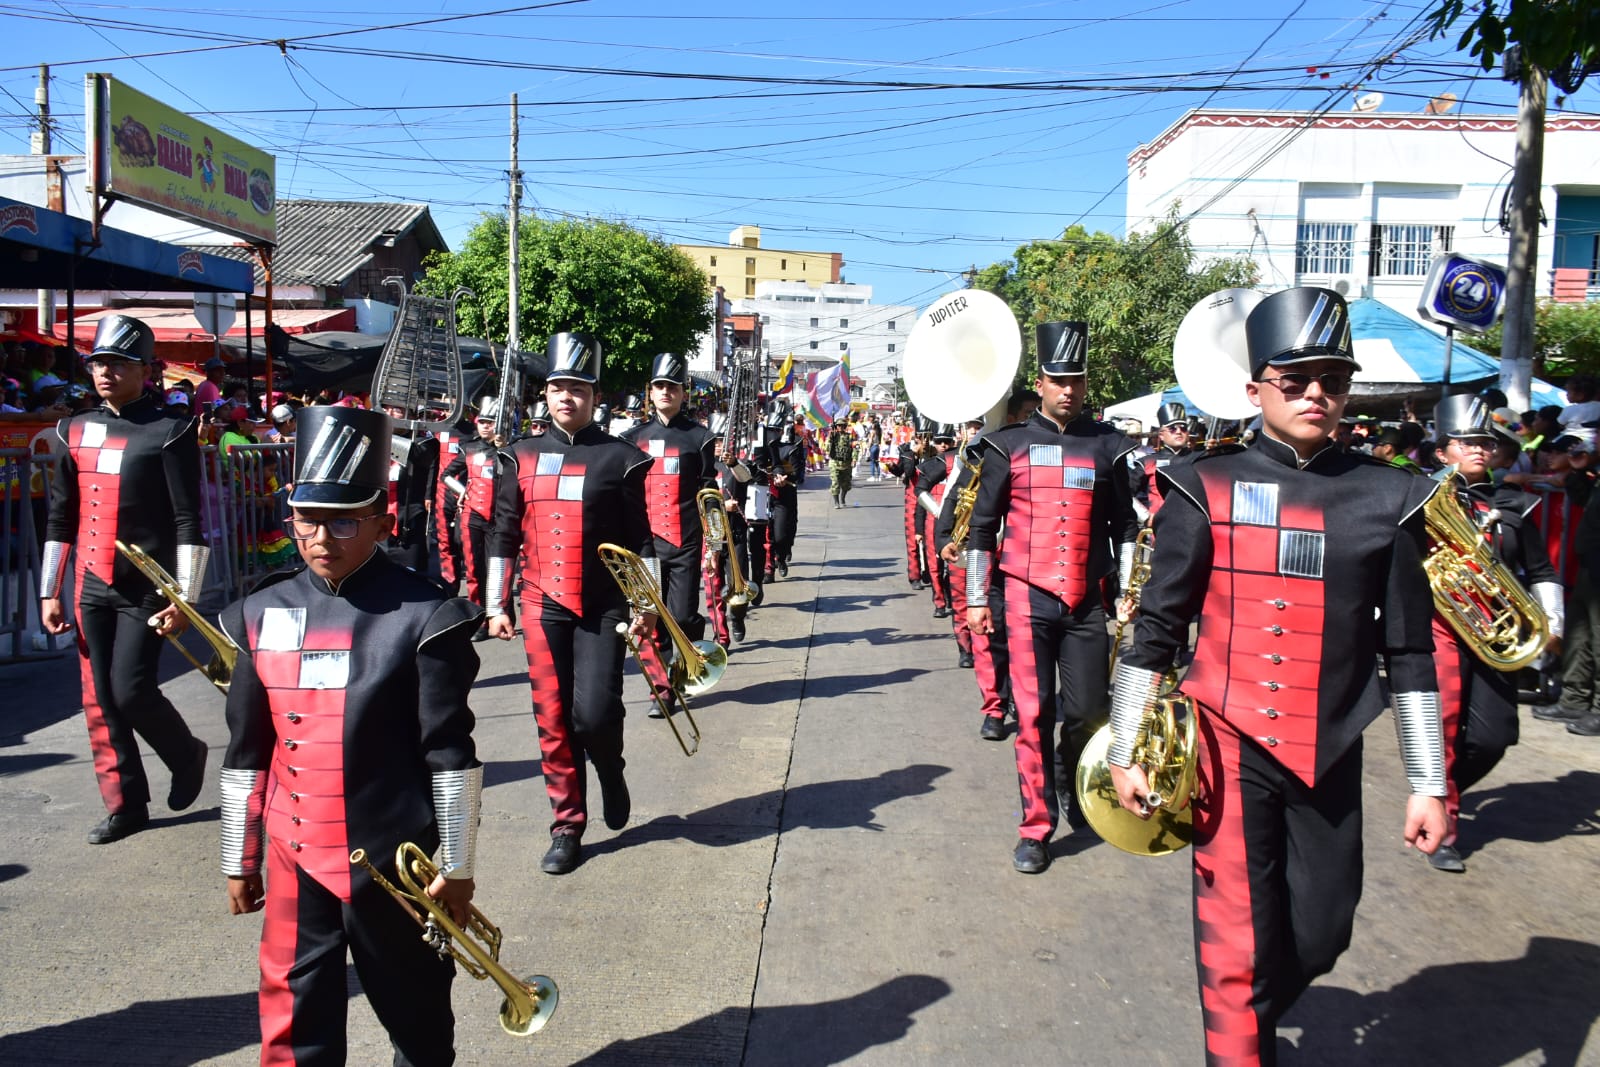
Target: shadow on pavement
point(507, 771)
point(860, 685)
point(808, 1035)
point(33, 761)
point(1536, 812)
point(8, 871)
point(842, 804)
point(1543, 1002)
point(861, 563)
point(876, 637)
point(185, 1031)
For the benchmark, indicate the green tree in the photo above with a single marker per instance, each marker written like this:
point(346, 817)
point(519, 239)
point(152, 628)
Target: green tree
point(1133, 292)
point(636, 293)
point(1558, 36)
point(1566, 340)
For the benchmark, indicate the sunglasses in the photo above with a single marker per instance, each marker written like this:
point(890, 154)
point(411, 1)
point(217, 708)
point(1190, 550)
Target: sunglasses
point(342, 529)
point(1334, 383)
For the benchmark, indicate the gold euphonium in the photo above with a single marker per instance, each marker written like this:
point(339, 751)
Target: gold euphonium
point(1474, 591)
point(1166, 747)
point(219, 670)
point(529, 1002)
point(695, 666)
point(714, 525)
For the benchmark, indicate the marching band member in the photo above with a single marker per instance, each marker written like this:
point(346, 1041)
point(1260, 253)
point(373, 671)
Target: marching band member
point(733, 481)
point(445, 500)
point(758, 503)
point(931, 474)
point(788, 474)
point(473, 470)
point(131, 472)
point(560, 496)
point(904, 468)
point(1479, 703)
point(348, 728)
point(1288, 551)
point(1173, 443)
point(685, 463)
point(1053, 500)
point(413, 472)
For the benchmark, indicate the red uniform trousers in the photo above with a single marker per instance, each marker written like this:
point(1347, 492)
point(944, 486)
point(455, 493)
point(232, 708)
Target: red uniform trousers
point(914, 565)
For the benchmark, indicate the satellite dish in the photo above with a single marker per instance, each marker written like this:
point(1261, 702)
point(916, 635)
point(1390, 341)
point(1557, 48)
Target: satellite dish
point(1369, 102)
point(1440, 104)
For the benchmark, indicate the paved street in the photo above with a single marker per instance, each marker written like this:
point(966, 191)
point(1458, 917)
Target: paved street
point(828, 880)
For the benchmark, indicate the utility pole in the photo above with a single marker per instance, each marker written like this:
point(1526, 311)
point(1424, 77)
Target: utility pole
point(514, 217)
point(46, 305)
point(1522, 258)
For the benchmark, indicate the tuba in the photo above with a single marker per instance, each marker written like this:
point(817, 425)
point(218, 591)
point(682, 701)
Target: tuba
point(695, 666)
point(219, 669)
point(714, 526)
point(529, 1002)
point(961, 357)
point(419, 373)
point(1211, 359)
point(1473, 591)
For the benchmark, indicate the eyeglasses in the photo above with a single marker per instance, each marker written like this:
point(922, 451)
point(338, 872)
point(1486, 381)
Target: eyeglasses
point(341, 529)
point(1334, 383)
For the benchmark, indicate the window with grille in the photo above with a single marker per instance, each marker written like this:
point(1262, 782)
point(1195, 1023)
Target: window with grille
point(369, 281)
point(1325, 248)
point(813, 344)
point(1404, 250)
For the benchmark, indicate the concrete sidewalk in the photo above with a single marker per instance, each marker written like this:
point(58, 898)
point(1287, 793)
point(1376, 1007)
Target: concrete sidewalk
point(828, 880)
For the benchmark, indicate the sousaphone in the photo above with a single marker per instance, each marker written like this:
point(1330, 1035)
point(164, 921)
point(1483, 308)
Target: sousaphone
point(1210, 357)
point(961, 358)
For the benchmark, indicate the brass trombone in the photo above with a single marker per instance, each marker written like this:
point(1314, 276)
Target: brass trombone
point(714, 525)
point(219, 671)
point(529, 1002)
point(695, 666)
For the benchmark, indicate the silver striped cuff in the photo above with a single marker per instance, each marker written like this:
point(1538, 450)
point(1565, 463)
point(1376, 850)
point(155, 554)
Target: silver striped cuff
point(495, 589)
point(1125, 565)
point(457, 802)
point(1134, 692)
point(652, 567)
point(191, 575)
point(53, 572)
point(979, 563)
point(1417, 719)
point(930, 505)
point(1552, 598)
point(244, 796)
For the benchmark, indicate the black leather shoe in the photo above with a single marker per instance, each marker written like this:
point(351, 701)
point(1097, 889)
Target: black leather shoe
point(736, 627)
point(783, 568)
point(942, 612)
point(1557, 713)
point(1030, 856)
point(993, 729)
point(186, 781)
point(1446, 858)
point(119, 824)
point(964, 660)
point(565, 854)
point(615, 802)
point(767, 577)
point(1588, 726)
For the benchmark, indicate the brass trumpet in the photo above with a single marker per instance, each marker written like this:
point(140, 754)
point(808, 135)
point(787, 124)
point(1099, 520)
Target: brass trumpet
point(695, 666)
point(529, 1002)
point(219, 671)
point(714, 525)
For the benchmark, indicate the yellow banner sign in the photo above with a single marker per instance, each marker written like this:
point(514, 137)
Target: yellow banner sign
point(159, 157)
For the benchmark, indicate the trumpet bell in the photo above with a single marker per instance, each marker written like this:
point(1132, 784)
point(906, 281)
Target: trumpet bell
point(519, 1017)
point(961, 356)
point(1210, 356)
point(1170, 827)
point(714, 660)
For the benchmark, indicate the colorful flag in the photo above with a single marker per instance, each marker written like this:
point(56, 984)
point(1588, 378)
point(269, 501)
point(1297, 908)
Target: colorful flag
point(827, 393)
point(785, 380)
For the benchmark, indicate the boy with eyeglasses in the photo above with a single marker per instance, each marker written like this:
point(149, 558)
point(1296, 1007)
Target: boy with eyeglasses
point(1304, 565)
point(348, 728)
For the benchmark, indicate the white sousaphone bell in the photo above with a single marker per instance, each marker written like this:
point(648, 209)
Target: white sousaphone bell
point(1210, 356)
point(961, 357)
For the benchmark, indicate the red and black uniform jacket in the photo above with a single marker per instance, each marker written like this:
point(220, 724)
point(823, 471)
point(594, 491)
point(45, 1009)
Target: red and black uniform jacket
point(1515, 535)
point(560, 498)
point(413, 469)
point(132, 476)
point(685, 462)
point(349, 698)
point(1147, 489)
point(931, 475)
point(474, 467)
point(1056, 503)
point(1283, 564)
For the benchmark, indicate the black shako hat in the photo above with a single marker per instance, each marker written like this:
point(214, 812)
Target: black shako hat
point(670, 368)
point(1172, 413)
point(541, 413)
point(777, 414)
point(1063, 347)
point(1297, 325)
point(124, 337)
point(575, 356)
point(923, 426)
point(1462, 415)
point(341, 457)
point(944, 432)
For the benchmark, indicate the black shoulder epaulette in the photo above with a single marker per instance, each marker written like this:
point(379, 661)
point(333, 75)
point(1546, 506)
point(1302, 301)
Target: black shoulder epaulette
point(1215, 451)
point(268, 580)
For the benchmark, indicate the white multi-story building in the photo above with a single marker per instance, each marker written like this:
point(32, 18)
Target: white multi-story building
point(1360, 201)
point(818, 324)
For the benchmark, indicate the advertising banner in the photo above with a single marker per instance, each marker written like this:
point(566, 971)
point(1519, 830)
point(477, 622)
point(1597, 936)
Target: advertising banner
point(146, 152)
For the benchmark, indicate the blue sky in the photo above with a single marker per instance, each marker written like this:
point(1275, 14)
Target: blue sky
point(918, 139)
